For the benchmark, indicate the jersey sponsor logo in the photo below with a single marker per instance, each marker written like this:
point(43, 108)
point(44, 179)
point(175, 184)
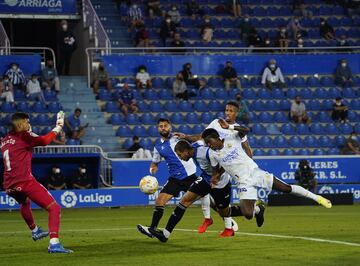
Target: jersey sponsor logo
point(231, 156)
point(70, 199)
point(9, 141)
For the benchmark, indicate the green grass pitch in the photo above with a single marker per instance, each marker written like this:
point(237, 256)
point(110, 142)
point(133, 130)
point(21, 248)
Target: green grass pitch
point(109, 237)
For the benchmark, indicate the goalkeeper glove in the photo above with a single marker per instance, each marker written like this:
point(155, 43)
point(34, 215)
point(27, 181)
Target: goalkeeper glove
point(59, 122)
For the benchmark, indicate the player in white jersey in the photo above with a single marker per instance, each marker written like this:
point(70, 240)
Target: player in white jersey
point(231, 112)
point(227, 155)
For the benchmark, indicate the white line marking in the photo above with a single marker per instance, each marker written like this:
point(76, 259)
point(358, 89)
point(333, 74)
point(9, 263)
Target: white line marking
point(209, 231)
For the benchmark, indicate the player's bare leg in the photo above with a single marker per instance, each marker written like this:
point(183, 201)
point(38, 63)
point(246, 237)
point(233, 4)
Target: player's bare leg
point(160, 203)
point(301, 192)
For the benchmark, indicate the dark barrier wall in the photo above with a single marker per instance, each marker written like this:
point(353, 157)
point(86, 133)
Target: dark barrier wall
point(29, 64)
point(213, 64)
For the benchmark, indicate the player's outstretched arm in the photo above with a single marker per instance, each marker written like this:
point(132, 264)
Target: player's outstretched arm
point(243, 131)
point(246, 146)
point(190, 138)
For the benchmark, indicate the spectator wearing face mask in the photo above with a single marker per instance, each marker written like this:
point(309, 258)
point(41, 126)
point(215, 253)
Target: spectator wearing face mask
point(16, 76)
point(143, 79)
point(352, 145)
point(272, 76)
point(230, 76)
point(101, 79)
point(305, 176)
point(298, 111)
point(175, 15)
point(81, 179)
point(343, 74)
point(207, 30)
point(246, 27)
point(267, 43)
point(50, 78)
point(190, 79)
point(67, 45)
point(295, 26)
point(167, 30)
point(243, 113)
point(342, 42)
point(326, 31)
point(340, 111)
point(283, 39)
point(254, 39)
point(6, 89)
point(33, 89)
point(180, 90)
point(177, 42)
point(56, 180)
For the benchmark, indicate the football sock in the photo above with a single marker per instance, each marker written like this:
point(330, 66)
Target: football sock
point(157, 214)
point(235, 211)
point(54, 220)
point(302, 192)
point(256, 209)
point(228, 222)
point(175, 217)
point(54, 241)
point(205, 206)
point(35, 229)
point(27, 215)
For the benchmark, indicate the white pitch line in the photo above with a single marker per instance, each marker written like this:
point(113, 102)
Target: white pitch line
point(209, 231)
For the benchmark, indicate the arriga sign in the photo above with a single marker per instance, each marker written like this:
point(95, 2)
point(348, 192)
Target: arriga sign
point(35, 3)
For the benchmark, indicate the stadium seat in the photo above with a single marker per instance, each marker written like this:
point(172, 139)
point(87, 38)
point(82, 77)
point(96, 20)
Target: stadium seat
point(72, 142)
point(316, 129)
point(132, 119)
point(278, 94)
point(197, 129)
point(157, 83)
point(215, 106)
point(117, 119)
point(320, 93)
point(111, 107)
point(313, 82)
point(258, 152)
point(221, 94)
point(280, 117)
point(323, 117)
point(192, 118)
point(39, 107)
point(319, 152)
point(128, 143)
point(146, 143)
point(264, 94)
point(156, 106)
point(280, 142)
point(298, 82)
point(302, 129)
point(333, 93)
point(185, 106)
point(295, 142)
point(331, 129)
point(325, 141)
point(253, 142)
point(288, 152)
point(310, 141)
point(201, 106)
point(46, 130)
point(292, 93)
point(124, 131)
point(288, 129)
point(271, 105)
point(346, 128)
point(206, 94)
point(153, 131)
point(265, 117)
point(249, 94)
point(273, 152)
point(185, 129)
point(177, 118)
point(54, 107)
point(143, 106)
point(306, 93)
point(265, 142)
point(43, 120)
point(285, 105)
point(165, 94)
point(353, 116)
point(303, 152)
point(22, 107)
point(140, 131)
point(151, 94)
point(326, 81)
point(49, 95)
point(349, 93)
point(339, 141)
point(258, 129)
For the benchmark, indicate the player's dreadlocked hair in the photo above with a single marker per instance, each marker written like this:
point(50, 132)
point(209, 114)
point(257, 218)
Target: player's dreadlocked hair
point(210, 133)
point(182, 146)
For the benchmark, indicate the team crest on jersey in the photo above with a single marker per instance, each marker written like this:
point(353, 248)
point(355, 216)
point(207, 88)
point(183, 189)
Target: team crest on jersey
point(229, 145)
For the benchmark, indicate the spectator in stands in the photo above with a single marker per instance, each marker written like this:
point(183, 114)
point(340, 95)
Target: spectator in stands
point(283, 39)
point(16, 76)
point(127, 101)
point(135, 17)
point(177, 42)
point(49, 77)
point(267, 43)
point(154, 8)
point(135, 146)
point(352, 145)
point(73, 126)
point(6, 89)
point(67, 45)
point(60, 139)
point(120, 2)
point(193, 8)
point(101, 79)
point(137, 151)
point(298, 111)
point(343, 74)
point(33, 89)
point(243, 113)
point(305, 176)
point(167, 30)
point(326, 31)
point(299, 9)
point(272, 76)
point(81, 179)
point(254, 39)
point(342, 42)
point(142, 37)
point(340, 110)
point(175, 15)
point(230, 77)
point(190, 79)
point(143, 79)
point(207, 30)
point(56, 180)
point(246, 27)
point(179, 88)
point(295, 26)
point(236, 7)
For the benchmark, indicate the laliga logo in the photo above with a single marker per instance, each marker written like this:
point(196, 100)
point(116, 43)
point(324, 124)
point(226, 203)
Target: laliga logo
point(11, 2)
point(326, 190)
point(68, 199)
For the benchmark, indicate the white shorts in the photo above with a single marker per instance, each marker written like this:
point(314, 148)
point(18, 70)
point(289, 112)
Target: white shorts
point(248, 186)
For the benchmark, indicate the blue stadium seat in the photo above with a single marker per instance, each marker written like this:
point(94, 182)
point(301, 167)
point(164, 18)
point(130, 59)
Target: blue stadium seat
point(111, 107)
point(326, 81)
point(316, 129)
point(50, 95)
point(278, 94)
point(346, 128)
point(192, 118)
point(185, 106)
point(313, 105)
point(46, 130)
point(357, 128)
point(54, 107)
point(280, 117)
point(265, 142)
point(253, 142)
point(333, 93)
point(333, 151)
point(215, 106)
point(221, 94)
point(292, 93)
point(273, 152)
point(258, 129)
point(197, 129)
point(177, 118)
point(265, 117)
point(215, 82)
point(206, 94)
point(323, 117)
point(156, 106)
point(140, 131)
point(264, 94)
point(349, 93)
point(285, 105)
point(158, 83)
point(313, 82)
point(151, 94)
point(303, 152)
point(310, 141)
point(319, 152)
point(201, 106)
point(19, 95)
point(331, 129)
point(325, 141)
point(39, 107)
point(206, 118)
point(327, 105)
point(302, 129)
point(306, 93)
point(353, 116)
point(43, 120)
point(280, 142)
point(124, 131)
point(72, 142)
point(355, 104)
point(298, 82)
point(169, 82)
point(128, 143)
point(288, 129)
point(165, 94)
point(321, 93)
point(132, 119)
point(146, 143)
point(23, 107)
point(3, 131)
point(288, 152)
point(258, 152)
point(117, 119)
point(257, 106)
point(105, 95)
point(271, 105)
point(185, 129)
point(143, 106)
point(295, 142)
point(152, 131)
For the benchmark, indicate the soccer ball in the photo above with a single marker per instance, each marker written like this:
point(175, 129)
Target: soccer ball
point(148, 184)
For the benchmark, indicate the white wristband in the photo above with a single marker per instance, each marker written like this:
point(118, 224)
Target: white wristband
point(231, 127)
point(244, 139)
point(57, 129)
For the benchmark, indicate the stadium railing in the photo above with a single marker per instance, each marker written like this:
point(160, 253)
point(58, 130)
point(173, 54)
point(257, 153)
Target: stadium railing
point(96, 29)
point(105, 167)
point(94, 53)
point(4, 41)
